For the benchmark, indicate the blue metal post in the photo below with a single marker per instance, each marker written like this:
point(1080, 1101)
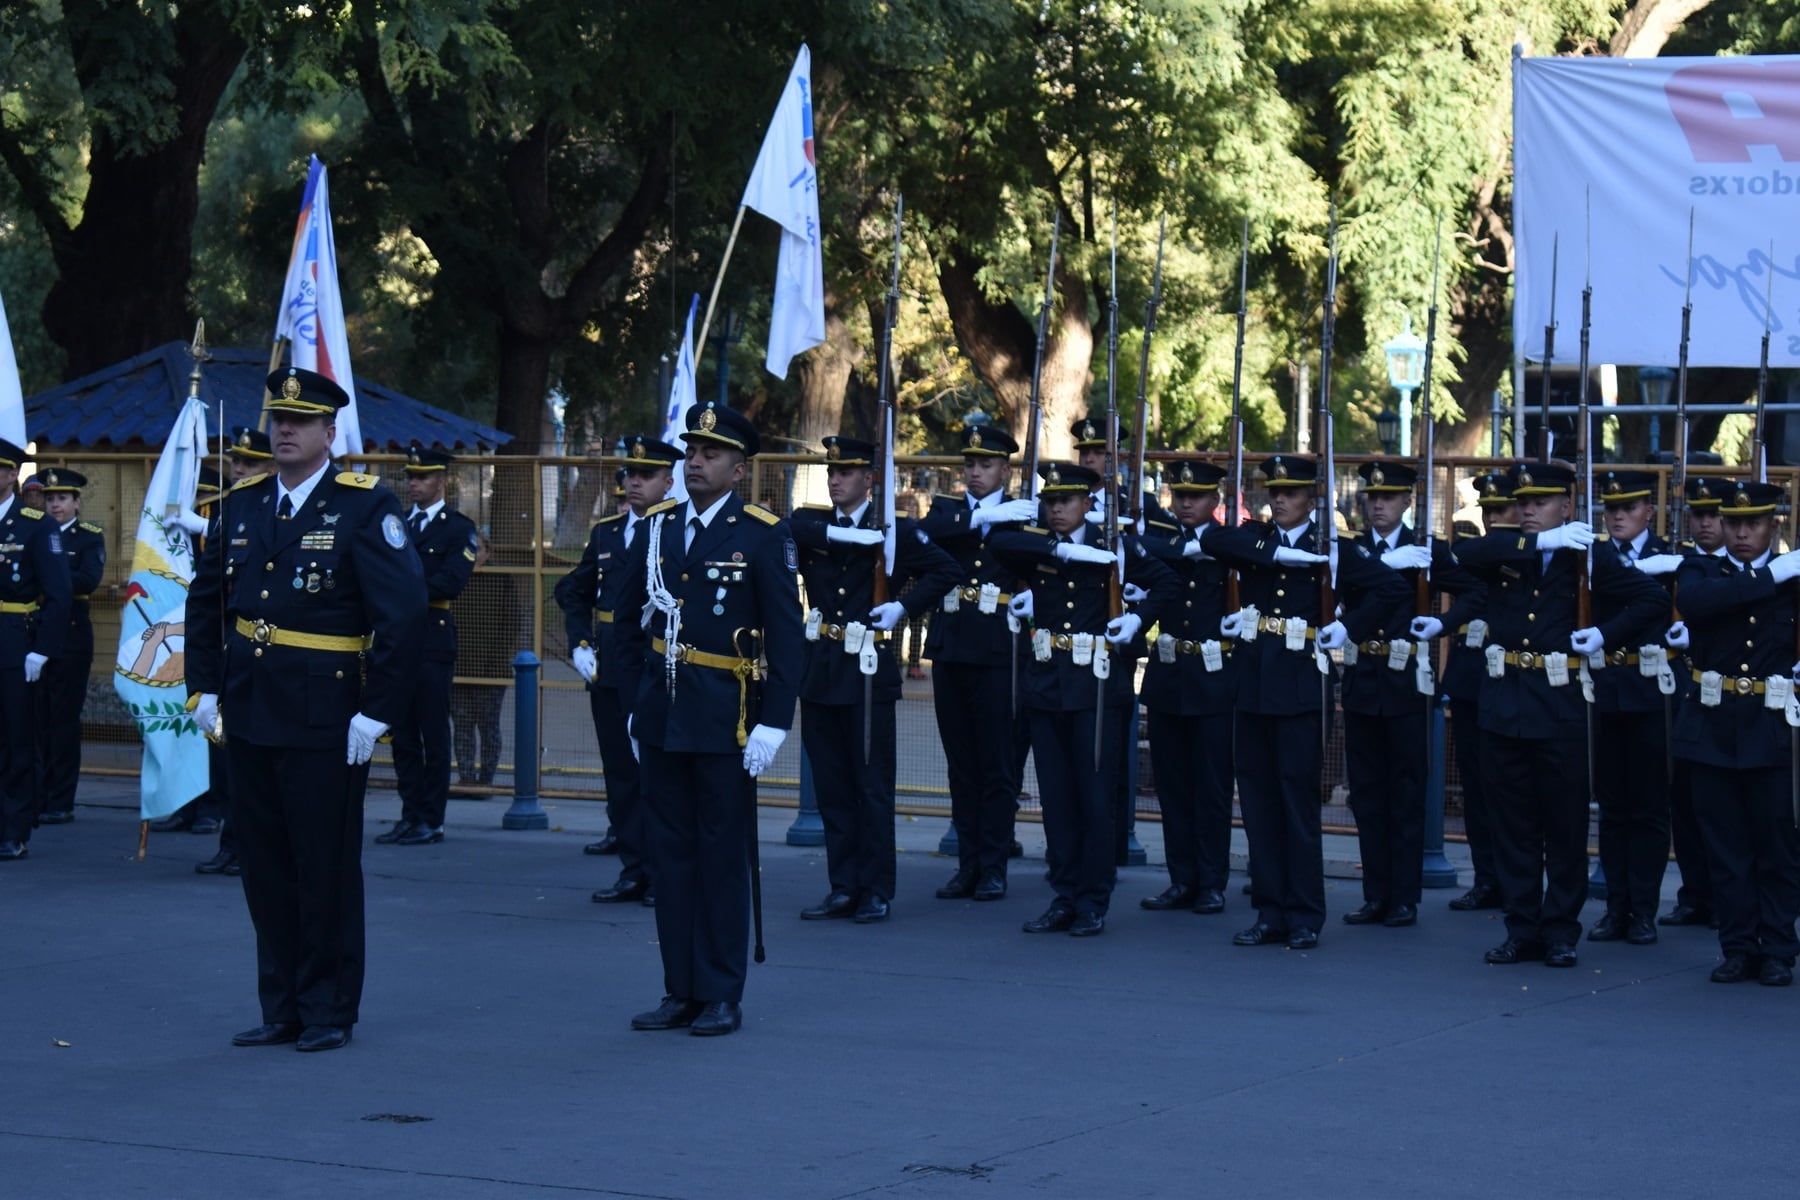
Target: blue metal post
point(807, 829)
point(525, 812)
point(949, 845)
point(1437, 872)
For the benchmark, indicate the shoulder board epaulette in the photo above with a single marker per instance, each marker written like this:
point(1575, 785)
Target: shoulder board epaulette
point(664, 507)
point(248, 481)
point(618, 516)
point(357, 479)
point(760, 513)
point(1035, 529)
point(91, 527)
point(1164, 525)
point(950, 496)
point(31, 514)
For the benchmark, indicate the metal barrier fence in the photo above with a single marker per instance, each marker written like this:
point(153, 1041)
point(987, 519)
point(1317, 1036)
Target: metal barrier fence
point(535, 514)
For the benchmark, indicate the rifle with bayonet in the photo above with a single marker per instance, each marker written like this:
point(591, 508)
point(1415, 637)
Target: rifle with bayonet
point(1034, 422)
point(882, 499)
point(1234, 479)
point(1429, 427)
point(1141, 431)
point(1678, 476)
point(1327, 465)
point(1550, 352)
point(1109, 482)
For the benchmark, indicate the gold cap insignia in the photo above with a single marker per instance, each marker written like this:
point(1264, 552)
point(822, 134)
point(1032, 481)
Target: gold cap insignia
point(637, 448)
point(832, 451)
point(1087, 431)
point(975, 439)
point(1187, 473)
point(1377, 478)
point(1054, 477)
point(1741, 500)
point(1612, 487)
point(1701, 491)
point(290, 388)
point(49, 478)
point(244, 437)
point(412, 455)
point(1280, 470)
point(1524, 479)
point(1488, 486)
point(708, 420)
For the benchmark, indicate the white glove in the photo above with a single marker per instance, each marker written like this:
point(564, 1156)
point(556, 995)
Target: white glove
point(363, 732)
point(1333, 636)
point(1133, 594)
point(1658, 564)
point(1424, 629)
point(886, 616)
point(191, 521)
point(635, 756)
point(1587, 641)
point(1020, 606)
point(206, 715)
point(1288, 556)
point(1007, 512)
point(1096, 516)
point(1575, 535)
point(34, 666)
point(854, 537)
point(1192, 549)
point(1122, 629)
point(1677, 637)
point(1231, 624)
point(760, 748)
point(1070, 552)
point(1407, 558)
point(584, 661)
point(1785, 566)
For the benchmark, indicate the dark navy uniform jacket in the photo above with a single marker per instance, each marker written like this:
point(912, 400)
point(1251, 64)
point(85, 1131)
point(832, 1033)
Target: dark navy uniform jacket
point(1532, 609)
point(342, 565)
point(969, 635)
point(589, 598)
point(85, 545)
point(840, 583)
point(33, 567)
point(745, 564)
point(1620, 687)
point(1070, 598)
point(1371, 687)
point(1185, 688)
point(446, 549)
point(1740, 624)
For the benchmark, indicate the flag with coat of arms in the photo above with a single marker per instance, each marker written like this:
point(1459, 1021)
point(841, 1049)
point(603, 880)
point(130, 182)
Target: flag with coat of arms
point(784, 186)
point(312, 308)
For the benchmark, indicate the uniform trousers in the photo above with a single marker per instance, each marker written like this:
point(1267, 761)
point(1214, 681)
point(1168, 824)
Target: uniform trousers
point(1690, 847)
point(976, 723)
point(1477, 801)
point(298, 815)
point(1077, 795)
point(1278, 789)
point(624, 780)
point(856, 798)
point(218, 794)
point(19, 729)
point(1747, 820)
point(1385, 764)
point(422, 747)
point(475, 714)
point(1631, 783)
point(65, 682)
point(1191, 758)
point(1539, 786)
point(702, 816)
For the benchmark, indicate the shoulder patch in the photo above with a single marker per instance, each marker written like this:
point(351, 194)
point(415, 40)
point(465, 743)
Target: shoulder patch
point(250, 481)
point(1035, 529)
point(761, 514)
point(1164, 525)
point(357, 479)
point(664, 507)
point(31, 514)
point(91, 527)
point(952, 497)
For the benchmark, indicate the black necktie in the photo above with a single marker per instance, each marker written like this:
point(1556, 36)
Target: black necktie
point(418, 522)
point(285, 509)
point(1627, 553)
point(844, 522)
point(694, 528)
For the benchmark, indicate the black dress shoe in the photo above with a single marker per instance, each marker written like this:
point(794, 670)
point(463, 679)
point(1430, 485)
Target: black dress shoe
point(1560, 954)
point(1175, 896)
point(1737, 968)
point(1642, 931)
point(1369, 914)
point(55, 818)
point(1515, 950)
point(276, 1034)
point(217, 864)
point(717, 1019)
point(872, 909)
point(1055, 919)
point(421, 835)
point(204, 825)
point(960, 886)
point(11, 850)
point(1610, 928)
point(1685, 914)
point(1401, 915)
point(400, 830)
point(838, 904)
point(173, 823)
point(991, 887)
point(606, 845)
point(1776, 972)
point(1208, 901)
point(1015, 851)
point(622, 892)
point(1087, 924)
point(648, 900)
point(1477, 897)
point(323, 1037)
point(1302, 938)
point(1260, 934)
point(670, 1014)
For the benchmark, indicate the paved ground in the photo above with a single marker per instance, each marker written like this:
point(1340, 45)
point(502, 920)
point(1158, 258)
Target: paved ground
point(944, 1054)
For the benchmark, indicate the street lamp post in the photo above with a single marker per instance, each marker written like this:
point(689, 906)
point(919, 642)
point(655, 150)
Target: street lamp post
point(1653, 388)
point(1406, 370)
point(1387, 429)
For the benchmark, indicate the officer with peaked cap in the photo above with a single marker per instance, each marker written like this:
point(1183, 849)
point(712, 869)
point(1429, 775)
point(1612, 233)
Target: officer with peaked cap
point(249, 452)
point(1089, 436)
point(324, 604)
point(65, 678)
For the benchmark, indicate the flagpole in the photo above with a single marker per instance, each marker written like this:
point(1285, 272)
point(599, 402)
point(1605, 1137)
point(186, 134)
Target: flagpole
point(712, 302)
point(262, 418)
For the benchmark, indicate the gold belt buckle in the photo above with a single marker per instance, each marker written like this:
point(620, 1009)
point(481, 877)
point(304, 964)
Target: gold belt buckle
point(1186, 647)
point(682, 649)
point(1527, 660)
point(835, 632)
point(970, 594)
point(1374, 647)
point(1616, 658)
point(1062, 641)
point(262, 632)
point(1743, 685)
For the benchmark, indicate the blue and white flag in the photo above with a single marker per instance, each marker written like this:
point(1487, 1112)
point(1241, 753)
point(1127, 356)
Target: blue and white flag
point(12, 396)
point(682, 397)
point(784, 186)
point(312, 308)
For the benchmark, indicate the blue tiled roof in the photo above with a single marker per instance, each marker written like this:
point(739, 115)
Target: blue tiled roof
point(134, 403)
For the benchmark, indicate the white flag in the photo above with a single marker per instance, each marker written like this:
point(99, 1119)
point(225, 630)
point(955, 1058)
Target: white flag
point(681, 399)
point(12, 396)
point(784, 186)
point(312, 310)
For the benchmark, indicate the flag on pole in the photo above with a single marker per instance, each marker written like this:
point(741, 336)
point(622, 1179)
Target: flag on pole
point(682, 397)
point(784, 186)
point(150, 674)
point(312, 309)
point(12, 396)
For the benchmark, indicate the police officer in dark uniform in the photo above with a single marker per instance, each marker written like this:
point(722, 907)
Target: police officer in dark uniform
point(721, 578)
point(445, 542)
point(65, 677)
point(850, 664)
point(1464, 669)
point(1190, 692)
point(608, 653)
point(217, 799)
point(324, 609)
point(1388, 685)
point(1534, 752)
point(34, 625)
point(1285, 636)
point(1739, 609)
point(1072, 683)
point(1089, 435)
point(974, 647)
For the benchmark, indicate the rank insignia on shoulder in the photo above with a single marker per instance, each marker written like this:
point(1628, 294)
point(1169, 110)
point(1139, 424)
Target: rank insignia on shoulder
point(618, 516)
point(1164, 525)
point(90, 527)
point(394, 530)
point(249, 481)
point(664, 507)
point(760, 513)
point(1035, 529)
point(31, 514)
point(357, 479)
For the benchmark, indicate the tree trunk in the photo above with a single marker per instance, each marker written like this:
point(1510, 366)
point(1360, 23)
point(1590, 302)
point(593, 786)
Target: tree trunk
point(824, 377)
